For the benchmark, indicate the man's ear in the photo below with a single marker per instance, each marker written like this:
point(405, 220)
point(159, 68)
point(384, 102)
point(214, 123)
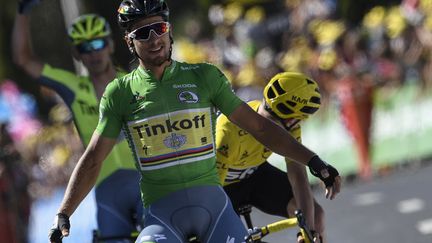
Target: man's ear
point(130, 43)
point(111, 46)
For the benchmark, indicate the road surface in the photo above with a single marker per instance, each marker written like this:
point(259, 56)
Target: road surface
point(395, 208)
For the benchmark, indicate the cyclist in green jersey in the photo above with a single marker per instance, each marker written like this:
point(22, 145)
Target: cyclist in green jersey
point(118, 199)
point(167, 110)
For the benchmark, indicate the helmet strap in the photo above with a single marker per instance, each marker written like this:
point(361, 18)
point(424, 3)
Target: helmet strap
point(171, 46)
point(269, 110)
point(273, 114)
point(134, 52)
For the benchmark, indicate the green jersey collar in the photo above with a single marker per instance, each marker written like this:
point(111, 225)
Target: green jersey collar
point(168, 72)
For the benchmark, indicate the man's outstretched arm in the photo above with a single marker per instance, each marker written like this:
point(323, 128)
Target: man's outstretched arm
point(22, 51)
point(82, 180)
point(278, 140)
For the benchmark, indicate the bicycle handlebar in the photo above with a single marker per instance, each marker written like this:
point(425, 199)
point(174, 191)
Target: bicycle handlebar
point(256, 233)
point(278, 226)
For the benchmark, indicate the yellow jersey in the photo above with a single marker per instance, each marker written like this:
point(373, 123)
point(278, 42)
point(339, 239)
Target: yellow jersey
point(238, 153)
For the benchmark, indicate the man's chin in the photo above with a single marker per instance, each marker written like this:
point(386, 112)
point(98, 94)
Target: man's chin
point(159, 61)
point(97, 68)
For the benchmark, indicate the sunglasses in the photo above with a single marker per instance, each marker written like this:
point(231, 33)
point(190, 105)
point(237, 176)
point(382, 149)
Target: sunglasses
point(91, 46)
point(143, 33)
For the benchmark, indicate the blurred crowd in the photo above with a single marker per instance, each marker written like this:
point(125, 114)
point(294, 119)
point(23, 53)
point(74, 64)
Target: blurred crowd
point(392, 46)
point(36, 156)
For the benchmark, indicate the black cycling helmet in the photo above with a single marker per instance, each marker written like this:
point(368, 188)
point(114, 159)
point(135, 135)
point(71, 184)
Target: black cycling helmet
point(130, 11)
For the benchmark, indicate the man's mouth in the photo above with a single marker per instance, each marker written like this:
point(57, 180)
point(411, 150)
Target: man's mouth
point(157, 49)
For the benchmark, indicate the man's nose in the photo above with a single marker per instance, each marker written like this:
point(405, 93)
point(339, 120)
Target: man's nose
point(153, 36)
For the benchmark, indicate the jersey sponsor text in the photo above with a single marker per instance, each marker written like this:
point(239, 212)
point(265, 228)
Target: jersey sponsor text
point(174, 138)
point(87, 109)
point(234, 174)
point(170, 126)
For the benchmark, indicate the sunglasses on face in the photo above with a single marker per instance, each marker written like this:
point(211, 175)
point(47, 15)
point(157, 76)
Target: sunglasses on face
point(143, 33)
point(91, 46)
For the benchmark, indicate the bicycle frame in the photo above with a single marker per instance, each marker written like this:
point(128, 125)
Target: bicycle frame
point(255, 234)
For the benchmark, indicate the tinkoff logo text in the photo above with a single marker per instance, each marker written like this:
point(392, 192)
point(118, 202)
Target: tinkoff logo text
point(148, 130)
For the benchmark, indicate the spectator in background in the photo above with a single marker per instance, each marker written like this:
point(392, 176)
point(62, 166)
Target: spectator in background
point(14, 197)
point(353, 91)
point(355, 98)
point(119, 207)
point(17, 110)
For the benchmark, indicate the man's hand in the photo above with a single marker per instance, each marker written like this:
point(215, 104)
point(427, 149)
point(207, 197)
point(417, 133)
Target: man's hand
point(60, 228)
point(24, 6)
point(328, 174)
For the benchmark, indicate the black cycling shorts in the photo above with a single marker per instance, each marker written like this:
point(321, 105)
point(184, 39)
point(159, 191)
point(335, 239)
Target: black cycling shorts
point(267, 189)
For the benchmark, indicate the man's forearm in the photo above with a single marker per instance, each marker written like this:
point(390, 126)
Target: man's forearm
point(22, 51)
point(80, 183)
point(21, 48)
point(302, 191)
point(274, 137)
point(282, 143)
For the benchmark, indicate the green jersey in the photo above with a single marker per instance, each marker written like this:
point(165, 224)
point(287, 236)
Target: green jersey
point(169, 124)
point(80, 96)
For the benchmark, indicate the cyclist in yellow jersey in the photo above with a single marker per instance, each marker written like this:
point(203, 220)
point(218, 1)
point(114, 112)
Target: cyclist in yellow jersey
point(247, 177)
point(118, 199)
point(170, 127)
